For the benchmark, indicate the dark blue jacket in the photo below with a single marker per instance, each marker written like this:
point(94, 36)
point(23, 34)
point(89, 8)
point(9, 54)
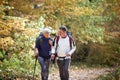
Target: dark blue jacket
point(43, 46)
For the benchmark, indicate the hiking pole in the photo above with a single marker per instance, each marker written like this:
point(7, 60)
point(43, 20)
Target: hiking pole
point(34, 68)
point(53, 66)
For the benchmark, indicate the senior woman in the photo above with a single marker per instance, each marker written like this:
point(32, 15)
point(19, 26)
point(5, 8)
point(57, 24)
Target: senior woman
point(42, 49)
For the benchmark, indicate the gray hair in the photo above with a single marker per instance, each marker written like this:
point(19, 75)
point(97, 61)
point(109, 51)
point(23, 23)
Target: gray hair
point(46, 30)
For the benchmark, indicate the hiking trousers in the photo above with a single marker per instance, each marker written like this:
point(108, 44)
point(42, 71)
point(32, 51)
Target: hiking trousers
point(44, 63)
point(63, 66)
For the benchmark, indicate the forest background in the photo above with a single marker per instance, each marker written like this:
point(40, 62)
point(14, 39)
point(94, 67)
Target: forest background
point(94, 24)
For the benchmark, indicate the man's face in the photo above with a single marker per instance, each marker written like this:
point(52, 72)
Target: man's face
point(46, 34)
point(62, 33)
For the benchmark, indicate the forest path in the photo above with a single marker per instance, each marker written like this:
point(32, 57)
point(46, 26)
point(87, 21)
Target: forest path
point(81, 73)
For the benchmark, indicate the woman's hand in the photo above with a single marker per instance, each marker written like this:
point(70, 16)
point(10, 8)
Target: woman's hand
point(35, 55)
point(50, 42)
point(52, 57)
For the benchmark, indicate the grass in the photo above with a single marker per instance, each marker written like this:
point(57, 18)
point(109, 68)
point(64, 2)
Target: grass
point(115, 75)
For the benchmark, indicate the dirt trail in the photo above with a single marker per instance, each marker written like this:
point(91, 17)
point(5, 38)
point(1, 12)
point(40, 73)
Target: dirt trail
point(82, 74)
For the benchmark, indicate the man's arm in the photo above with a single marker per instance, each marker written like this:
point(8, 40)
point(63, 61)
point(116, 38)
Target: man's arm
point(73, 48)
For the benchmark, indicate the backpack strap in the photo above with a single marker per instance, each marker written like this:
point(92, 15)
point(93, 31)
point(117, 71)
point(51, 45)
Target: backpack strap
point(57, 40)
point(41, 39)
point(70, 41)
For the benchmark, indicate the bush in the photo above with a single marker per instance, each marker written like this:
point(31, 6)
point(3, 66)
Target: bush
point(18, 66)
point(99, 54)
point(17, 48)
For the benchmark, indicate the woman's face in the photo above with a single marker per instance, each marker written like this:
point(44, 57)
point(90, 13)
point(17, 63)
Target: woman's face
point(46, 34)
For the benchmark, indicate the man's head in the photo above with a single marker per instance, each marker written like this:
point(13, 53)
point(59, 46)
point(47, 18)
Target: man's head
point(46, 32)
point(62, 31)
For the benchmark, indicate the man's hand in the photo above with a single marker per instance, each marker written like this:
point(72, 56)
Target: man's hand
point(67, 55)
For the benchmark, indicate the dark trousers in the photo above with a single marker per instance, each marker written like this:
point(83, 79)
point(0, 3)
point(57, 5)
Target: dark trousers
point(63, 66)
point(44, 63)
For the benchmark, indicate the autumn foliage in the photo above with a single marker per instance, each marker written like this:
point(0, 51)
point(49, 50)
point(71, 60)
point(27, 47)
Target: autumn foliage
point(93, 23)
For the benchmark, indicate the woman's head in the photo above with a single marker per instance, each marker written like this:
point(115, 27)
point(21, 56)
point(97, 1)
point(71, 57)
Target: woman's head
point(46, 32)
